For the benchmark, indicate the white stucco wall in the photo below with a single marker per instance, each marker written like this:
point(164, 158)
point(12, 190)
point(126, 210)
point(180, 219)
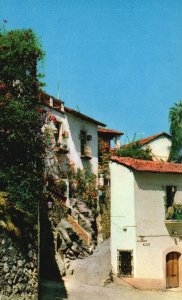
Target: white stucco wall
point(160, 148)
point(123, 225)
point(150, 217)
point(73, 125)
point(138, 206)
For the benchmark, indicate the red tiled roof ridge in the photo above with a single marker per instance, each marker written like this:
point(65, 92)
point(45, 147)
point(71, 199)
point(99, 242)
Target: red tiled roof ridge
point(107, 130)
point(44, 97)
point(148, 139)
point(148, 165)
point(77, 113)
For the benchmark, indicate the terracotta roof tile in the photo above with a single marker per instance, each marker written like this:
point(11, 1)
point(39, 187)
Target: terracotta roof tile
point(148, 139)
point(109, 131)
point(148, 166)
point(45, 99)
point(82, 116)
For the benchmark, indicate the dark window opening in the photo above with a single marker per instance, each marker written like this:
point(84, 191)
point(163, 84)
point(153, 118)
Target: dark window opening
point(125, 259)
point(170, 193)
point(59, 242)
point(83, 141)
point(57, 134)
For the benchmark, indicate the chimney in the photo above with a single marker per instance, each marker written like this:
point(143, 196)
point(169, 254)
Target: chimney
point(51, 102)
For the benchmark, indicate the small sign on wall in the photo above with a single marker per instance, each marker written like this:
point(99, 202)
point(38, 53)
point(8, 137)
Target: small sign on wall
point(146, 244)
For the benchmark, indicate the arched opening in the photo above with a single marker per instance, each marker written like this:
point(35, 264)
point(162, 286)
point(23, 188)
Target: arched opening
point(172, 269)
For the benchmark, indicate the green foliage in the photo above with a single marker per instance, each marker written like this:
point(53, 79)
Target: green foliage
point(175, 117)
point(19, 53)
point(104, 156)
point(83, 184)
point(177, 214)
point(62, 187)
point(134, 150)
point(22, 146)
point(9, 216)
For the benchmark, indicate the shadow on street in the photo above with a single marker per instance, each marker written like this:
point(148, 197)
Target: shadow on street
point(51, 285)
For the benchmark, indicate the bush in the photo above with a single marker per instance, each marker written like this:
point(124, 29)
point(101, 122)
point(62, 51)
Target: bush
point(22, 145)
point(134, 150)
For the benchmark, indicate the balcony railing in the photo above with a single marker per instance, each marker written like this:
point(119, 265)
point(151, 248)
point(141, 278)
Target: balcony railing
point(174, 214)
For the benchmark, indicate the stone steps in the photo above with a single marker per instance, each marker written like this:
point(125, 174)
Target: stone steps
point(79, 230)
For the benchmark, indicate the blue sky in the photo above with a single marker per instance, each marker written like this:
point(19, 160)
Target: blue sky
point(117, 61)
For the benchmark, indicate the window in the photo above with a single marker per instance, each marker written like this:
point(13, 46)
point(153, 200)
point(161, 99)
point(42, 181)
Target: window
point(83, 141)
point(125, 263)
point(170, 208)
point(85, 149)
point(57, 133)
point(170, 193)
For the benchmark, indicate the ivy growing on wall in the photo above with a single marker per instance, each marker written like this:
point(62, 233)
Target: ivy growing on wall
point(22, 146)
point(83, 185)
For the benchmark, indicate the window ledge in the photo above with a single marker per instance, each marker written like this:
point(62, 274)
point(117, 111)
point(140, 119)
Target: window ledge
point(61, 150)
point(172, 221)
point(86, 157)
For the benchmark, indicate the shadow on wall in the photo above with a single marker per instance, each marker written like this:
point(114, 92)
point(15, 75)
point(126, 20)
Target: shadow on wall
point(51, 285)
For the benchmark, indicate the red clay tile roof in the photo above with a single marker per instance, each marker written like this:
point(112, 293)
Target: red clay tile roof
point(45, 98)
point(82, 116)
point(148, 166)
point(110, 132)
point(149, 139)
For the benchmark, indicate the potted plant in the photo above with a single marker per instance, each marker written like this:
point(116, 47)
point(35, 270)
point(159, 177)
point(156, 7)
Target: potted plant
point(177, 213)
point(65, 134)
point(65, 146)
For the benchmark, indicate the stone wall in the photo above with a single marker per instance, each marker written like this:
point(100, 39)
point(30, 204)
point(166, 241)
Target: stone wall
point(18, 269)
point(105, 213)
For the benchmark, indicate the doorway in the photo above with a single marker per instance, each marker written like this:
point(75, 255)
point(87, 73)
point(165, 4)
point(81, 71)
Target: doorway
point(172, 270)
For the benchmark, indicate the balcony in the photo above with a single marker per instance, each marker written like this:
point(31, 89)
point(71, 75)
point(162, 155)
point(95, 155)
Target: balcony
point(87, 153)
point(61, 148)
point(174, 214)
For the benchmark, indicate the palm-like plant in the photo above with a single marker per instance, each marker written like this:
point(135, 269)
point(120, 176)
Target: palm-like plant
point(175, 117)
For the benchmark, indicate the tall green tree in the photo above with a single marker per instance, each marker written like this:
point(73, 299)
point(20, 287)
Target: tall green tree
point(175, 117)
point(22, 146)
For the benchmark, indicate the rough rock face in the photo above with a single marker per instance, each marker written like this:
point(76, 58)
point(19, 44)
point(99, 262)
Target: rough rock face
point(18, 270)
point(74, 234)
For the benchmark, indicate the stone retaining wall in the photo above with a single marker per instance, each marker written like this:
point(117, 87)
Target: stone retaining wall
point(18, 270)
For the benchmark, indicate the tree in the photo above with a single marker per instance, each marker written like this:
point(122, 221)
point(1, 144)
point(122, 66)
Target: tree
point(22, 146)
point(175, 117)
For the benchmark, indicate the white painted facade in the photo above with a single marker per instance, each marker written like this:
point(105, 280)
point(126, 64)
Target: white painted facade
point(160, 147)
point(73, 125)
point(122, 216)
point(138, 224)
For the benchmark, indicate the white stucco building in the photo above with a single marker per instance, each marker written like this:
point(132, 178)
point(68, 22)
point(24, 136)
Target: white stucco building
point(146, 222)
point(75, 135)
point(159, 144)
